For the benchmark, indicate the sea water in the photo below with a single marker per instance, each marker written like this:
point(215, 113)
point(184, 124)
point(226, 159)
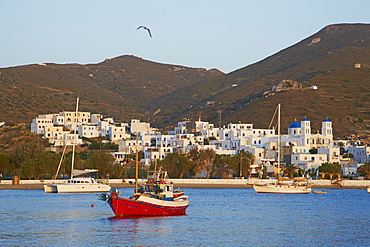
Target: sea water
point(215, 217)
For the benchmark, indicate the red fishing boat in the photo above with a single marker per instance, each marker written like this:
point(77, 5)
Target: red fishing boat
point(154, 198)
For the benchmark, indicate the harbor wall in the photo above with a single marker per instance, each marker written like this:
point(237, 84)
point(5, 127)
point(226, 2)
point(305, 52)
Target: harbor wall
point(218, 182)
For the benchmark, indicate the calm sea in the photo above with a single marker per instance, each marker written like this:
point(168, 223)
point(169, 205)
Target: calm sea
point(215, 217)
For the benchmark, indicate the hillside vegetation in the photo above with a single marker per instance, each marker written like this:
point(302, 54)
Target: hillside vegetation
point(326, 59)
point(335, 59)
point(116, 88)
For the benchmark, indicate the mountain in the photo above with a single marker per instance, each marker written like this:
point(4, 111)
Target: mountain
point(116, 88)
point(334, 60)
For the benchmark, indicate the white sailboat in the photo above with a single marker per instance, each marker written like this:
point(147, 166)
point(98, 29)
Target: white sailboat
point(77, 184)
point(283, 186)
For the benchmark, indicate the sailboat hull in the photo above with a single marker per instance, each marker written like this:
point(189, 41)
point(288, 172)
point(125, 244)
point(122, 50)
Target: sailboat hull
point(282, 189)
point(50, 188)
point(90, 186)
point(146, 206)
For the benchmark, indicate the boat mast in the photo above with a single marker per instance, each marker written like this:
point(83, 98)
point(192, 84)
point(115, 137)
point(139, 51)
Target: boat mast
point(279, 141)
point(137, 166)
point(74, 138)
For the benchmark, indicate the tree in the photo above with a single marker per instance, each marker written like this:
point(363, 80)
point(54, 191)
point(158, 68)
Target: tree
point(118, 170)
point(5, 167)
point(341, 149)
point(330, 168)
point(348, 155)
point(223, 165)
point(245, 160)
point(207, 157)
point(25, 150)
point(195, 162)
point(290, 170)
point(175, 164)
point(67, 163)
point(103, 161)
point(202, 161)
point(43, 164)
point(364, 170)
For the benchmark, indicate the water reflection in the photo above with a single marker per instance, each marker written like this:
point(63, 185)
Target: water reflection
point(137, 230)
point(216, 217)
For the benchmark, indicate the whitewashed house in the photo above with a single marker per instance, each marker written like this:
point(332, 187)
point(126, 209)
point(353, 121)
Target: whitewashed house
point(88, 131)
point(42, 123)
point(361, 154)
point(116, 133)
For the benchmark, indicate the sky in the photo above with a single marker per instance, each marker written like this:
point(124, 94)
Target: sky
point(226, 35)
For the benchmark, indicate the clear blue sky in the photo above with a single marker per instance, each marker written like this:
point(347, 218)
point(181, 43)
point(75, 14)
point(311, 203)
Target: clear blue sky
point(226, 35)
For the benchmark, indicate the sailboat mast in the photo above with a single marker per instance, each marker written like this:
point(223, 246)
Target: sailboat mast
point(279, 140)
point(74, 138)
point(137, 166)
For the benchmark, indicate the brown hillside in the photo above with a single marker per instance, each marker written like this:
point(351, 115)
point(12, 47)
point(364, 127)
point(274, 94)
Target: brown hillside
point(335, 59)
point(116, 87)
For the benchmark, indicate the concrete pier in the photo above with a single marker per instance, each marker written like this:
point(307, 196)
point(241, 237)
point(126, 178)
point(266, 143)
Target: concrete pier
point(193, 183)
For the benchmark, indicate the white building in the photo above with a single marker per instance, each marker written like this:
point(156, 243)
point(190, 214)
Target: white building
point(130, 146)
point(141, 128)
point(301, 141)
point(361, 154)
point(88, 131)
point(116, 133)
point(42, 123)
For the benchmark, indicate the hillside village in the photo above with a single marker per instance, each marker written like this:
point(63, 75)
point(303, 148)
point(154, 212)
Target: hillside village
point(299, 146)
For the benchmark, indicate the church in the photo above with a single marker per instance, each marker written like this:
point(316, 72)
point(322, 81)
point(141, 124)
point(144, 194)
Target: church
point(308, 150)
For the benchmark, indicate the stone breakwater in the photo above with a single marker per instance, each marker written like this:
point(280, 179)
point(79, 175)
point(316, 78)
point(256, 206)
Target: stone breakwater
point(199, 183)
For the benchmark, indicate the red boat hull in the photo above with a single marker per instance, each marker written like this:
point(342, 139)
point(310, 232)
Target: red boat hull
point(128, 207)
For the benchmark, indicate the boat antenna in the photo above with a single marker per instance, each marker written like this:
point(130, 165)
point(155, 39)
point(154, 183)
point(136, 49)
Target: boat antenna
point(74, 138)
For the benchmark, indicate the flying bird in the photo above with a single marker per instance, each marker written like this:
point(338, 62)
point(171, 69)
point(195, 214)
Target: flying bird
point(145, 29)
